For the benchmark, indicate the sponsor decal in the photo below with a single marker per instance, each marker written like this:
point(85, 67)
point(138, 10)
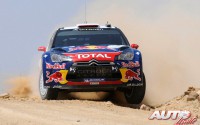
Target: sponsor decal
point(58, 76)
point(87, 56)
point(72, 69)
point(91, 29)
point(55, 66)
point(93, 80)
point(100, 83)
point(87, 47)
point(114, 68)
point(94, 83)
point(130, 75)
point(183, 117)
point(94, 71)
point(130, 64)
point(57, 86)
point(82, 56)
point(134, 84)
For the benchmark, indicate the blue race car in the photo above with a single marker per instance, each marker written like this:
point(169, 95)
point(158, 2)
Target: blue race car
point(90, 57)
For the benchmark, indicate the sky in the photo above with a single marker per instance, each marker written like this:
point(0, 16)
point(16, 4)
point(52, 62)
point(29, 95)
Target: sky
point(25, 25)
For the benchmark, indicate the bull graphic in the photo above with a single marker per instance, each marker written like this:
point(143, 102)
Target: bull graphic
point(56, 77)
point(130, 75)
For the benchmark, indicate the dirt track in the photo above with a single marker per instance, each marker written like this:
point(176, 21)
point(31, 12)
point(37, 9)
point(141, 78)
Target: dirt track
point(33, 111)
point(24, 109)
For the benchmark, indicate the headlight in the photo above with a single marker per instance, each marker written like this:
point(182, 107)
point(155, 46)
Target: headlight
point(60, 58)
point(126, 56)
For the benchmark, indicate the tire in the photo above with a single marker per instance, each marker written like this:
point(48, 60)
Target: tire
point(135, 94)
point(46, 93)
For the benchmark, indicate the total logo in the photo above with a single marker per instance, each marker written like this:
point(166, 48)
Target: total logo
point(80, 56)
point(87, 56)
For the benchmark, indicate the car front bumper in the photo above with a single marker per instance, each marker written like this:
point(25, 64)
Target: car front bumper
point(89, 78)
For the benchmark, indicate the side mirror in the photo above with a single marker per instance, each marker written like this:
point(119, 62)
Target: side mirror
point(135, 46)
point(42, 48)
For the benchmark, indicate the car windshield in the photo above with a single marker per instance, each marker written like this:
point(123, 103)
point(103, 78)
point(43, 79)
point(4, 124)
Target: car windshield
point(86, 37)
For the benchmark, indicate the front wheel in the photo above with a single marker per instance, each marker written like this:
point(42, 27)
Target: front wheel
point(135, 94)
point(46, 93)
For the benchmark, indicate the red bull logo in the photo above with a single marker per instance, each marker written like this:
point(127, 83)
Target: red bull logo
point(58, 76)
point(130, 75)
point(55, 66)
point(130, 64)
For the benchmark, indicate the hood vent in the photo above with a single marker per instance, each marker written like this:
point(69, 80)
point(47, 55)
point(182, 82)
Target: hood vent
point(59, 49)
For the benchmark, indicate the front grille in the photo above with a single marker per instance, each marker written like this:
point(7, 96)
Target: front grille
point(94, 72)
point(81, 72)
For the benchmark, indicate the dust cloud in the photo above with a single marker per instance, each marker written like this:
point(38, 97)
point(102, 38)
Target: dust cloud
point(26, 85)
point(20, 86)
point(168, 34)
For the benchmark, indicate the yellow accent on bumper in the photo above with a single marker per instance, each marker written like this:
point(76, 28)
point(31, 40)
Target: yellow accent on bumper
point(64, 75)
point(123, 72)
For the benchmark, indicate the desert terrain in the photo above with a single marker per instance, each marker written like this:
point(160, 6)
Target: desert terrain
point(21, 107)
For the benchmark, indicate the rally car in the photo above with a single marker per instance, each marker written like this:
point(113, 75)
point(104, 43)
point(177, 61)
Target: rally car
point(90, 57)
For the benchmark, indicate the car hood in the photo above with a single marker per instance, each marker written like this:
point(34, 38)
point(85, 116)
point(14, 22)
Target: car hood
point(86, 53)
point(79, 49)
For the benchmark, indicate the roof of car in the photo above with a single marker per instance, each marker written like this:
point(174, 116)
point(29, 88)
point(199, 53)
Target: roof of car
point(89, 25)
